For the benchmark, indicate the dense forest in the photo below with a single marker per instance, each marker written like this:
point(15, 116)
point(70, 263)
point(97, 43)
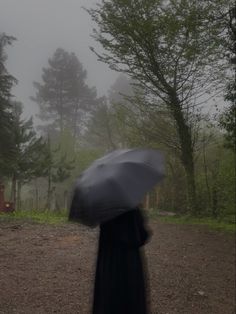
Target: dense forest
point(176, 59)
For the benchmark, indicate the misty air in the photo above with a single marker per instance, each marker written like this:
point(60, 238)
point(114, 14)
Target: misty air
point(117, 156)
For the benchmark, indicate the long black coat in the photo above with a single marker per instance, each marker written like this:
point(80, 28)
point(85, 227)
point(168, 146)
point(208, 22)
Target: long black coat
point(119, 282)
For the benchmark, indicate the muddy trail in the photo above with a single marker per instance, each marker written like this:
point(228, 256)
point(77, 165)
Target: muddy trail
point(50, 269)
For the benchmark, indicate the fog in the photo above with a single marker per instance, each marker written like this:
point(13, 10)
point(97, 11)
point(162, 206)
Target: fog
point(42, 26)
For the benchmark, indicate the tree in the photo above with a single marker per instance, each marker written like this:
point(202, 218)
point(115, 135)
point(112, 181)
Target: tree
point(120, 90)
point(228, 123)
point(100, 127)
point(63, 96)
point(28, 152)
point(107, 126)
point(164, 47)
point(228, 118)
point(56, 168)
point(6, 83)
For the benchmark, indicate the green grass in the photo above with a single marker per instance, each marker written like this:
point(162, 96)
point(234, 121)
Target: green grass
point(209, 222)
point(57, 218)
point(36, 216)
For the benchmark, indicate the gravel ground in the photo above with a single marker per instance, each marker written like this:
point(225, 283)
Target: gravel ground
point(50, 269)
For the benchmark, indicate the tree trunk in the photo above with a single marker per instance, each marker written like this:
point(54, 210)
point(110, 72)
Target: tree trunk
point(206, 175)
point(49, 193)
point(74, 127)
point(18, 204)
point(13, 191)
point(157, 197)
point(1, 196)
point(53, 202)
point(65, 199)
point(109, 131)
point(187, 158)
point(36, 195)
point(214, 202)
point(147, 201)
point(215, 189)
point(192, 202)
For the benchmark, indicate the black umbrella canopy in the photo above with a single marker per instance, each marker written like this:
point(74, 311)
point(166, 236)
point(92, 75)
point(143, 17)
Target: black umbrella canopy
point(115, 183)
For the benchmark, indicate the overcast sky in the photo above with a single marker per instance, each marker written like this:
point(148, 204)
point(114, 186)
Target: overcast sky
point(41, 26)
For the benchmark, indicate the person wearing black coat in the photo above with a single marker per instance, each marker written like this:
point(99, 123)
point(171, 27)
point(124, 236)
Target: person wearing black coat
point(120, 286)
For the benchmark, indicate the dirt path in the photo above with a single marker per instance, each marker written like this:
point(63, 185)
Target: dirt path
point(49, 269)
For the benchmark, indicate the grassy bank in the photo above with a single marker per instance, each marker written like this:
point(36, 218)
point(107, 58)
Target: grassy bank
point(61, 217)
point(209, 222)
point(36, 216)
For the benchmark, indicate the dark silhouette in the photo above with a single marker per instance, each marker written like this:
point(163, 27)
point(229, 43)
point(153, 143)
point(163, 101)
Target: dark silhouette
point(120, 280)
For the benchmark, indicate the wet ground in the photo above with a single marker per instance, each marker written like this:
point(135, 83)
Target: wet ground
point(50, 268)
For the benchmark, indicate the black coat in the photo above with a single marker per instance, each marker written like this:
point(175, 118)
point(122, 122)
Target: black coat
point(119, 282)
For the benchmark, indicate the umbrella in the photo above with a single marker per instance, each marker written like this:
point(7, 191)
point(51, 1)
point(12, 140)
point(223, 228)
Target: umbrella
point(114, 184)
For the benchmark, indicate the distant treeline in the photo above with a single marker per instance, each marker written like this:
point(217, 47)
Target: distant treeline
point(177, 59)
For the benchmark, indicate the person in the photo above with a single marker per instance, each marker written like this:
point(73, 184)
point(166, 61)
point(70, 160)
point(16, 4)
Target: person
point(120, 286)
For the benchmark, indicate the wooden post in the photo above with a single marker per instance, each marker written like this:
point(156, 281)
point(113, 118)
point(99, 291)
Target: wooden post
point(65, 199)
point(147, 201)
point(157, 197)
point(1, 197)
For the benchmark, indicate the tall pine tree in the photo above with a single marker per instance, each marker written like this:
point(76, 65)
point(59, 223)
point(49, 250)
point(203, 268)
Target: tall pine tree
point(27, 158)
point(63, 97)
point(6, 83)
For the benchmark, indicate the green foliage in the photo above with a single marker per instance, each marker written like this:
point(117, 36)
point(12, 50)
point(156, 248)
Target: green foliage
point(6, 80)
point(84, 157)
point(228, 118)
point(164, 47)
point(100, 127)
point(227, 184)
point(216, 180)
point(27, 147)
point(228, 123)
point(6, 83)
point(63, 96)
point(108, 126)
point(158, 44)
point(62, 170)
point(172, 52)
